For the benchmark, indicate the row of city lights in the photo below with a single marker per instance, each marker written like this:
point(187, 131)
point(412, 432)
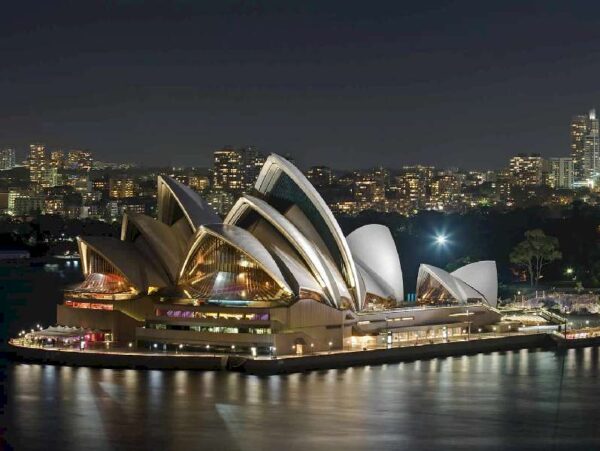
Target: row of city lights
point(24, 332)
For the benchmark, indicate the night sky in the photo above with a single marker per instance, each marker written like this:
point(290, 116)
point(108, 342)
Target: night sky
point(349, 84)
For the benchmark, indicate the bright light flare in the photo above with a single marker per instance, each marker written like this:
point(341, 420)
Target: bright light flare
point(441, 240)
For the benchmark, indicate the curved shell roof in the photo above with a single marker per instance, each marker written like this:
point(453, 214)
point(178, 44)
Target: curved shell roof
point(374, 250)
point(165, 246)
point(458, 288)
point(194, 208)
point(315, 208)
point(126, 258)
point(245, 242)
point(483, 276)
point(323, 270)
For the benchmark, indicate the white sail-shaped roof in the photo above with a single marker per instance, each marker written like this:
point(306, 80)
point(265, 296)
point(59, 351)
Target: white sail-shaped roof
point(126, 258)
point(482, 276)
point(161, 240)
point(459, 289)
point(281, 182)
point(374, 250)
point(175, 198)
point(322, 269)
point(245, 242)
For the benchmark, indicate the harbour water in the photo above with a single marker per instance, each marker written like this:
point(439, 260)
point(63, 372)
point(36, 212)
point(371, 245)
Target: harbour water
point(499, 401)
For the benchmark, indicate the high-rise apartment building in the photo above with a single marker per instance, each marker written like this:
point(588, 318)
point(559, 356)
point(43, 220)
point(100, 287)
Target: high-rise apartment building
point(562, 174)
point(8, 159)
point(252, 162)
point(228, 170)
point(527, 170)
point(369, 193)
point(123, 188)
point(444, 191)
point(38, 163)
point(412, 185)
point(585, 146)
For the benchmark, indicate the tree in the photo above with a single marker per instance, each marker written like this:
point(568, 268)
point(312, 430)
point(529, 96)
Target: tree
point(535, 252)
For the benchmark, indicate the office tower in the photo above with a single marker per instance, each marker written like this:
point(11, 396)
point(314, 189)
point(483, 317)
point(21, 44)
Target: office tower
point(8, 159)
point(561, 174)
point(228, 171)
point(320, 176)
point(37, 163)
point(585, 146)
point(527, 170)
point(252, 162)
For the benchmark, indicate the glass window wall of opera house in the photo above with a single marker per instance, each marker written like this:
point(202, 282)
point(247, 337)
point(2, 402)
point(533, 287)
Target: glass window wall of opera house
point(276, 273)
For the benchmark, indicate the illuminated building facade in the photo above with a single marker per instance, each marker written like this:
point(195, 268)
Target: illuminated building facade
point(122, 188)
point(585, 146)
point(527, 170)
point(276, 273)
point(38, 163)
point(8, 159)
point(228, 170)
point(562, 173)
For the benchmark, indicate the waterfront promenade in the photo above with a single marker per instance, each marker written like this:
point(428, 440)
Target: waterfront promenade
point(145, 359)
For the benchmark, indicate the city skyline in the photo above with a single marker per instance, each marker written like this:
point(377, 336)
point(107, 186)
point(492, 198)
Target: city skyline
point(446, 84)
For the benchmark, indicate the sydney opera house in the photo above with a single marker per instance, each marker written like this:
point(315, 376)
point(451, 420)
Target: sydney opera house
point(276, 274)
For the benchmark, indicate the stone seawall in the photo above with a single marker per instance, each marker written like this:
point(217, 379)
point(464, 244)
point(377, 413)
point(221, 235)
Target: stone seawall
point(115, 360)
point(292, 364)
point(393, 355)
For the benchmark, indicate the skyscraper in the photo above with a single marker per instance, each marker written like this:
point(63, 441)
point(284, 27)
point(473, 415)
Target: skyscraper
point(561, 173)
point(7, 159)
point(228, 170)
point(585, 146)
point(37, 163)
point(252, 162)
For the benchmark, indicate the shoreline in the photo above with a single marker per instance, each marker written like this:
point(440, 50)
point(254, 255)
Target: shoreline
point(290, 364)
